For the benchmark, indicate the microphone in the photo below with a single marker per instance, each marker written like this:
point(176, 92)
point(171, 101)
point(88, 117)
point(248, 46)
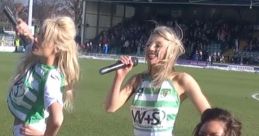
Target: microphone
point(9, 14)
point(116, 66)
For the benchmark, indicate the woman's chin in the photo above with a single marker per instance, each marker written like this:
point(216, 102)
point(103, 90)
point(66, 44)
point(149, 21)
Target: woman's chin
point(151, 62)
point(35, 52)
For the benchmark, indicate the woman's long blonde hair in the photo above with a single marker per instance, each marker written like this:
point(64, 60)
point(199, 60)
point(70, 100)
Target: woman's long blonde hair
point(61, 31)
point(165, 68)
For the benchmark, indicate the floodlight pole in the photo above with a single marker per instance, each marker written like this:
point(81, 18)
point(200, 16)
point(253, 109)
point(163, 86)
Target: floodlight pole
point(83, 24)
point(30, 13)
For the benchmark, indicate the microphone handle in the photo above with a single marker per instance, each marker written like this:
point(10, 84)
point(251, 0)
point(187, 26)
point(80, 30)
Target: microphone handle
point(116, 66)
point(9, 14)
point(111, 68)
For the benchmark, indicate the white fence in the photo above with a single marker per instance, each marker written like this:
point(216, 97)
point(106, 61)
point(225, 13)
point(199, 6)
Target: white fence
point(7, 43)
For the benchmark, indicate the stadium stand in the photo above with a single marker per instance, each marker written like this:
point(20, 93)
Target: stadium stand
point(217, 30)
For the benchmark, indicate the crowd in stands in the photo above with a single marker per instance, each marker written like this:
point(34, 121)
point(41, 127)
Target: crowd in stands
point(204, 40)
point(128, 37)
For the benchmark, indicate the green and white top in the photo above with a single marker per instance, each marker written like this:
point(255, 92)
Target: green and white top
point(154, 110)
point(32, 94)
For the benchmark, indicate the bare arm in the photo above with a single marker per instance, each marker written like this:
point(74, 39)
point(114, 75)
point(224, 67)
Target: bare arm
point(55, 119)
point(193, 91)
point(117, 96)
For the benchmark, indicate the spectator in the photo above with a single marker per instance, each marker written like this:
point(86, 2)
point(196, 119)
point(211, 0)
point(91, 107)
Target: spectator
point(17, 44)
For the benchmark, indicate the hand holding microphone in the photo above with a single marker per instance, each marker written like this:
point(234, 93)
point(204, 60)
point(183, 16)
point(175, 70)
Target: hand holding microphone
point(22, 28)
point(122, 63)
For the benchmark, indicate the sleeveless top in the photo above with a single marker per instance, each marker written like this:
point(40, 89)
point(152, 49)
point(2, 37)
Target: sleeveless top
point(154, 110)
point(26, 97)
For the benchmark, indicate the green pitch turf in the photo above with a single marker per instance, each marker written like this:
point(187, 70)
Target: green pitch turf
point(229, 90)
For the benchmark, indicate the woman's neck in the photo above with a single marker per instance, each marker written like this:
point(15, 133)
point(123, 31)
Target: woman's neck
point(50, 60)
point(152, 70)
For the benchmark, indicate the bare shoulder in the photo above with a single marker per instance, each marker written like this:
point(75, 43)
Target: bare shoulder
point(182, 78)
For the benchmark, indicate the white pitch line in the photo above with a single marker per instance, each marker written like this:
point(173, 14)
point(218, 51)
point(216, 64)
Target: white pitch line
point(255, 96)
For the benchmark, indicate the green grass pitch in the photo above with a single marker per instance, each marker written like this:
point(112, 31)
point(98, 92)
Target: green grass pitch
point(229, 90)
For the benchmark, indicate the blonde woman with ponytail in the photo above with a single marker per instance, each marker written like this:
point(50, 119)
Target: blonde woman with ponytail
point(158, 91)
point(44, 81)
